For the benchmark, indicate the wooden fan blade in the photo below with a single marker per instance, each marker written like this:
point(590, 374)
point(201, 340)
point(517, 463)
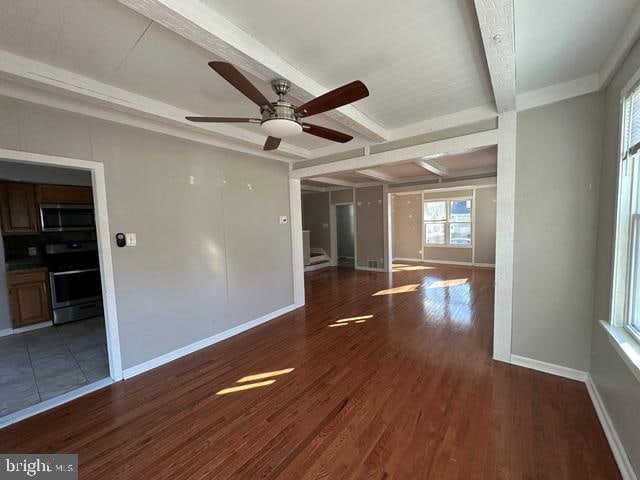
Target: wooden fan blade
point(232, 75)
point(223, 119)
point(272, 143)
point(335, 98)
point(327, 133)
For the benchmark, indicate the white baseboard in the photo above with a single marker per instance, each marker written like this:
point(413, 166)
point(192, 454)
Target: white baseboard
point(619, 452)
point(551, 368)
point(205, 342)
point(445, 262)
point(27, 328)
point(317, 266)
point(53, 402)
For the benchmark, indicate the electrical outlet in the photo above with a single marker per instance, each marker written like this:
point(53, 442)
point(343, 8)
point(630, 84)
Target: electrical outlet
point(32, 251)
point(131, 239)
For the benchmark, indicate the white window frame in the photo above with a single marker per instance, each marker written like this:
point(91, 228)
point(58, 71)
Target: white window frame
point(447, 223)
point(623, 336)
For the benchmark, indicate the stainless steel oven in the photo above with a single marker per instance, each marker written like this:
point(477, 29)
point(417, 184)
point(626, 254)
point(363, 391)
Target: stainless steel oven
point(56, 217)
point(74, 276)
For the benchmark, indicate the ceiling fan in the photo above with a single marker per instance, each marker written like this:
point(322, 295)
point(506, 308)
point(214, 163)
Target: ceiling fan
point(281, 119)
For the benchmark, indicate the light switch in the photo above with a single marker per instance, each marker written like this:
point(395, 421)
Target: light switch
point(131, 239)
point(33, 251)
point(283, 219)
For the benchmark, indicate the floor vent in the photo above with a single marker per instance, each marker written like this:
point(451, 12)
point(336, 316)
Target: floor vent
point(373, 264)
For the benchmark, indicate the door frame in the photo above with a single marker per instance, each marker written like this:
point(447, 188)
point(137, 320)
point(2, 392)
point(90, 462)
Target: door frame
point(333, 230)
point(98, 185)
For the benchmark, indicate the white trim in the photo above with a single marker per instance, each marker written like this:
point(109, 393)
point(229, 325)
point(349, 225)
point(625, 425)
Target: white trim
point(104, 242)
point(448, 146)
point(495, 18)
point(333, 181)
point(558, 92)
point(205, 342)
point(376, 175)
point(433, 166)
point(27, 328)
point(47, 77)
point(205, 27)
point(626, 346)
point(297, 255)
point(486, 182)
point(317, 266)
point(617, 447)
point(473, 227)
point(53, 402)
point(505, 214)
point(444, 262)
point(551, 368)
point(624, 43)
point(386, 229)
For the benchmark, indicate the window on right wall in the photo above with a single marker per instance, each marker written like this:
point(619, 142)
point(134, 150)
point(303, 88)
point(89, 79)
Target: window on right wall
point(448, 223)
point(626, 280)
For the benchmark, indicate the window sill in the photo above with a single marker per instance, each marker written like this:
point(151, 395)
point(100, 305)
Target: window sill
point(626, 346)
point(439, 245)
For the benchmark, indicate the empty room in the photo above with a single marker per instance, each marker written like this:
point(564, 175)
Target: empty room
point(337, 240)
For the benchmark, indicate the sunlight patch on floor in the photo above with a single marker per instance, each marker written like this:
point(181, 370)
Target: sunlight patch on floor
point(449, 283)
point(343, 322)
point(401, 267)
point(403, 289)
point(253, 378)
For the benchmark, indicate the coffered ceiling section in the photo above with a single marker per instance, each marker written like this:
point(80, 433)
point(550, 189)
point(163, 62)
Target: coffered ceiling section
point(420, 58)
point(562, 40)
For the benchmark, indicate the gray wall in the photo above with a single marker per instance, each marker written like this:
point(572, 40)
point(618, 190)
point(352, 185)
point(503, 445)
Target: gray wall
point(210, 255)
point(406, 217)
point(619, 389)
point(559, 148)
point(315, 217)
point(22, 172)
point(485, 234)
point(407, 227)
point(369, 225)
point(342, 196)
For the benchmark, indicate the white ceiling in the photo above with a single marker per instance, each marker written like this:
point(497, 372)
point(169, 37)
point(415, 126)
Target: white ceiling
point(138, 56)
point(561, 40)
point(419, 58)
point(409, 171)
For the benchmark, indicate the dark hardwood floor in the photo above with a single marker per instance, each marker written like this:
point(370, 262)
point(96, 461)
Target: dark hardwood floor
point(407, 392)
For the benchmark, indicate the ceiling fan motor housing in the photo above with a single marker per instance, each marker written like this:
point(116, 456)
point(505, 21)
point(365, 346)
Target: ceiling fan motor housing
point(283, 121)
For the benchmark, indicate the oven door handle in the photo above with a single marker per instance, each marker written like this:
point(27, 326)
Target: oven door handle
point(75, 271)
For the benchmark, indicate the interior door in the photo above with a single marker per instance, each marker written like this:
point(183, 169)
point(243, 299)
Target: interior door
point(345, 231)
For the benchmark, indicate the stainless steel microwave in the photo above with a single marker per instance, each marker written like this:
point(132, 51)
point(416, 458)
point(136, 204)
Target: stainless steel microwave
point(56, 217)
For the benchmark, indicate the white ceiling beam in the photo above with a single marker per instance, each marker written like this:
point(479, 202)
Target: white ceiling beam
point(377, 175)
point(312, 188)
point(558, 92)
point(448, 185)
point(497, 28)
point(449, 146)
point(333, 181)
point(433, 167)
point(52, 79)
point(205, 27)
point(628, 37)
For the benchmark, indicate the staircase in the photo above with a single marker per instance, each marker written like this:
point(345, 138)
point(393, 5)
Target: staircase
point(318, 259)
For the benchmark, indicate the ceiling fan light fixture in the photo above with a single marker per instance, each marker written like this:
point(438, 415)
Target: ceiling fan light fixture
point(281, 127)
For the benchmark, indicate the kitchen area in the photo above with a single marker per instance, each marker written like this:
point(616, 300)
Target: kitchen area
point(52, 330)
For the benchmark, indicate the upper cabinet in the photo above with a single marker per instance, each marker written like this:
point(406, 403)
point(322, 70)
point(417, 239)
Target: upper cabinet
point(19, 202)
point(18, 209)
point(64, 194)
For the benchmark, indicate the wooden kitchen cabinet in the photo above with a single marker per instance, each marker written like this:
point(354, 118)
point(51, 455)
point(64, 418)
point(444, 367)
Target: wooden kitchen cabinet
point(18, 209)
point(64, 194)
point(29, 297)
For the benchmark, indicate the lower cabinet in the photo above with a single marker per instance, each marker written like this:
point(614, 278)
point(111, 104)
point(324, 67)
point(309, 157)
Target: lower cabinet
point(29, 297)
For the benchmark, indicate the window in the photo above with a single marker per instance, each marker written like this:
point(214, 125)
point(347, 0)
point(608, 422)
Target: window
point(447, 222)
point(626, 286)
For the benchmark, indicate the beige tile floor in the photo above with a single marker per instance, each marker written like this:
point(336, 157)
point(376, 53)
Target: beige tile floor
point(44, 363)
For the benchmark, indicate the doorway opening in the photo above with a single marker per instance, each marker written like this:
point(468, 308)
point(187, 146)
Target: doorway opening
point(345, 235)
point(58, 327)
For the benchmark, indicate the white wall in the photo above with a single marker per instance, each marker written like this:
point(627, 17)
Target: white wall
point(559, 149)
point(204, 217)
